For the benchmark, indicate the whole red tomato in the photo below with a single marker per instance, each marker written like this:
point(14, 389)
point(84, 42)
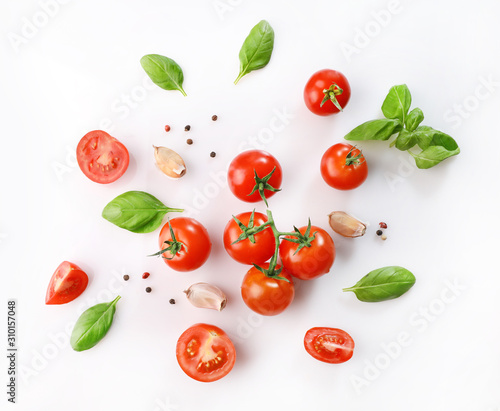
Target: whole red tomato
point(330, 345)
point(246, 251)
point(265, 295)
point(308, 262)
point(191, 246)
point(327, 92)
point(241, 175)
point(343, 167)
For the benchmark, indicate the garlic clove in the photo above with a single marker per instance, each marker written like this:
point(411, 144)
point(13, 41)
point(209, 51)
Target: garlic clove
point(346, 225)
point(169, 162)
point(204, 295)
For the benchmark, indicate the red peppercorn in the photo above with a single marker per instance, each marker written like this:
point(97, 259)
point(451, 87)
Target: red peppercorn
point(145, 275)
point(382, 225)
point(167, 128)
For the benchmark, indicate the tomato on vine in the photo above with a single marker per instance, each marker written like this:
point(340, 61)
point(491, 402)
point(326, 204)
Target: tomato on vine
point(343, 167)
point(327, 92)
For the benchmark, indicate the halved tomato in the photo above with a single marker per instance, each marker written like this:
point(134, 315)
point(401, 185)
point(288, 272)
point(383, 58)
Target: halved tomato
point(67, 283)
point(102, 158)
point(330, 345)
point(205, 353)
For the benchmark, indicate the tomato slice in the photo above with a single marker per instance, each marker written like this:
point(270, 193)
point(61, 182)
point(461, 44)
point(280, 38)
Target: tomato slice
point(205, 353)
point(330, 345)
point(67, 283)
point(102, 158)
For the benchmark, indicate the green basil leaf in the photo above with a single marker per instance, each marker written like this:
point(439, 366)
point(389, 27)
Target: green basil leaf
point(424, 136)
point(444, 140)
point(136, 211)
point(375, 130)
point(433, 155)
point(257, 49)
point(397, 103)
point(415, 117)
point(405, 140)
point(93, 325)
point(164, 72)
point(383, 284)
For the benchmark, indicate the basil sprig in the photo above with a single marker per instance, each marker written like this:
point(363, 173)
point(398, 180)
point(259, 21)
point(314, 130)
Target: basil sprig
point(257, 49)
point(136, 211)
point(93, 325)
point(163, 71)
point(383, 284)
point(435, 145)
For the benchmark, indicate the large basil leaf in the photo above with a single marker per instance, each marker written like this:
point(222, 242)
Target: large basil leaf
point(163, 71)
point(375, 130)
point(397, 103)
point(433, 155)
point(383, 284)
point(136, 211)
point(414, 118)
point(257, 49)
point(93, 325)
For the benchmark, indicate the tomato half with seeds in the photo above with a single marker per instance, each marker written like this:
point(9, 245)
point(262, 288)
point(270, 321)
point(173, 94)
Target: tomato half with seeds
point(330, 345)
point(327, 92)
point(102, 158)
point(309, 262)
point(266, 295)
point(67, 283)
point(343, 167)
point(241, 175)
point(191, 246)
point(205, 353)
point(246, 251)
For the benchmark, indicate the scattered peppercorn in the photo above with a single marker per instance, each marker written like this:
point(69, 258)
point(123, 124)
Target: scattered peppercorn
point(384, 237)
point(189, 141)
point(167, 128)
point(214, 118)
point(379, 232)
point(148, 289)
point(126, 277)
point(212, 154)
point(187, 128)
point(171, 301)
point(382, 225)
point(145, 275)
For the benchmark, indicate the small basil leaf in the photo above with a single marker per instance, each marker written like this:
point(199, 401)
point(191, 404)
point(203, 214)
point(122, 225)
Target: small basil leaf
point(405, 140)
point(136, 211)
point(257, 49)
point(442, 139)
point(397, 103)
point(424, 136)
point(415, 117)
point(383, 284)
point(93, 325)
point(433, 155)
point(375, 130)
point(163, 71)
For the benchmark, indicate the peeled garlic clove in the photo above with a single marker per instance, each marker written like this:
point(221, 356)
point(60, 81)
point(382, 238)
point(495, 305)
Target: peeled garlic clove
point(346, 225)
point(205, 295)
point(169, 162)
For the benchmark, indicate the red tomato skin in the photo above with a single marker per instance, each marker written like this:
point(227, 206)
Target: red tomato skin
point(188, 361)
point(113, 155)
point(309, 262)
point(314, 344)
point(319, 81)
point(264, 295)
point(241, 177)
point(67, 283)
point(339, 175)
point(196, 239)
point(246, 252)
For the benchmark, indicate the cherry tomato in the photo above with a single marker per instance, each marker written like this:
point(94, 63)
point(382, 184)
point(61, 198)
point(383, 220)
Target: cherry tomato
point(343, 167)
point(245, 251)
point(195, 244)
point(338, 88)
point(241, 174)
point(205, 353)
point(330, 345)
point(308, 262)
point(102, 158)
point(264, 295)
point(67, 283)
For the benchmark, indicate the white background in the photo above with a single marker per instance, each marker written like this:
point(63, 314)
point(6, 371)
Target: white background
point(74, 73)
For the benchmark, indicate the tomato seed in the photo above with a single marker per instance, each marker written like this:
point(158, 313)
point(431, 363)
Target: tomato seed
point(148, 289)
point(379, 232)
point(212, 154)
point(171, 301)
point(382, 225)
point(126, 277)
point(214, 118)
point(189, 141)
point(145, 275)
point(167, 128)
point(187, 128)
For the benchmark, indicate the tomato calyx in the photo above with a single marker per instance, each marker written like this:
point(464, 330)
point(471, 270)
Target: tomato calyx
point(174, 246)
point(248, 232)
point(331, 94)
point(304, 240)
point(352, 159)
point(262, 184)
